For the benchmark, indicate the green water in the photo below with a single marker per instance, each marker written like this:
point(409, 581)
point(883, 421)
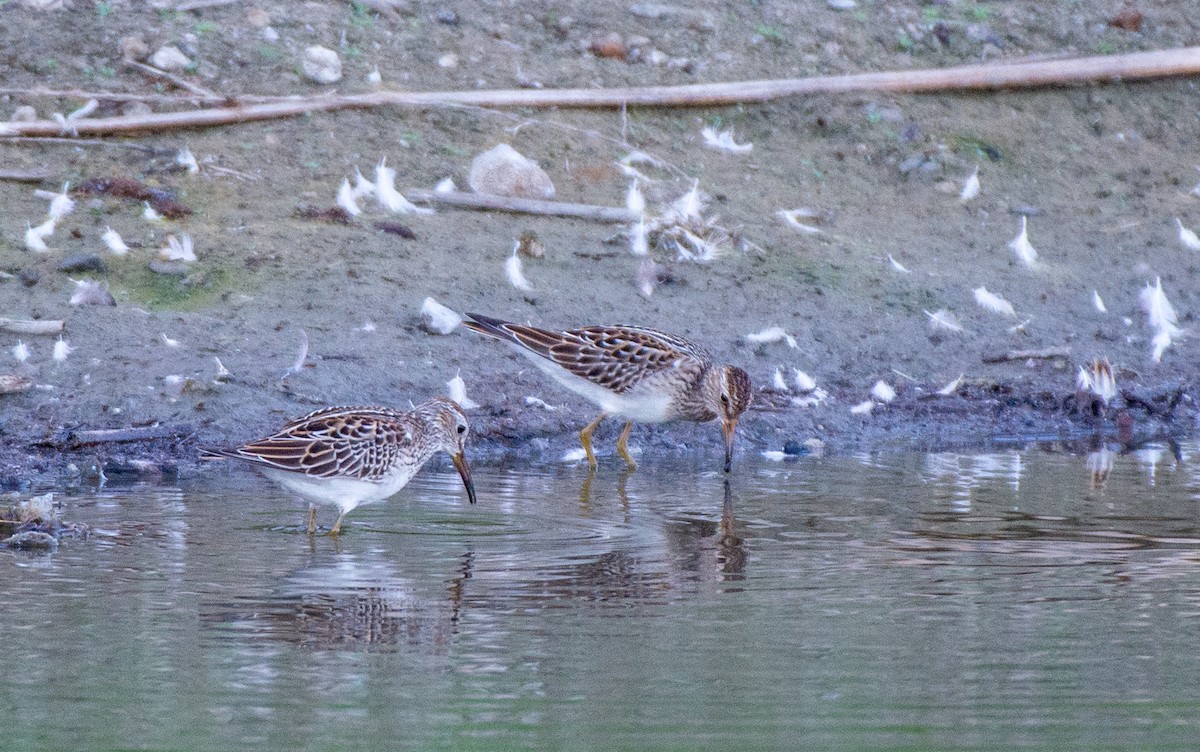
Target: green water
point(988, 601)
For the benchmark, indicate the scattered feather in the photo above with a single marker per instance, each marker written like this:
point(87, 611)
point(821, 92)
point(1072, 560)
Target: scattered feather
point(114, 242)
point(778, 382)
point(1161, 341)
point(387, 195)
point(445, 185)
point(223, 373)
point(368, 326)
point(1021, 246)
point(1098, 302)
point(301, 355)
point(375, 78)
point(804, 382)
point(1158, 309)
point(362, 186)
point(771, 334)
point(512, 268)
point(1020, 328)
point(863, 408)
point(639, 238)
point(574, 455)
point(91, 292)
point(346, 199)
point(20, 351)
point(723, 141)
point(898, 266)
point(689, 206)
point(774, 455)
point(35, 236)
point(993, 302)
point(437, 318)
point(61, 204)
point(943, 319)
point(61, 350)
point(458, 392)
point(883, 391)
point(1187, 237)
point(634, 200)
point(537, 402)
point(149, 214)
point(178, 249)
point(792, 217)
point(970, 188)
point(168, 341)
point(1104, 382)
point(647, 276)
point(952, 387)
point(186, 159)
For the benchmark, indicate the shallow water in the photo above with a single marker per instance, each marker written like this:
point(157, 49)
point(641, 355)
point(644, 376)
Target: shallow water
point(1019, 599)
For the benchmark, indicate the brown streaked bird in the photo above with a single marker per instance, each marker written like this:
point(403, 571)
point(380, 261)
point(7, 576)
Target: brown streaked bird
point(633, 372)
point(357, 455)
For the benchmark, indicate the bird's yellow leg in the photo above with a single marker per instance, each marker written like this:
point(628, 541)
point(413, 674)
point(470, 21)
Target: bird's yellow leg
point(312, 519)
point(337, 526)
point(585, 438)
point(623, 445)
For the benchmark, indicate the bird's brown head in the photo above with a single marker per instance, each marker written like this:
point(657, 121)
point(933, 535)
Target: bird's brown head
point(733, 398)
point(452, 433)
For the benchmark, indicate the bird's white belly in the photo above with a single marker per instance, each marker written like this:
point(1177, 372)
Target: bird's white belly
point(346, 493)
point(630, 406)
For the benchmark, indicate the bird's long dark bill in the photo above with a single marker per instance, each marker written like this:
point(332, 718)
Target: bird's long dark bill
point(727, 430)
point(464, 470)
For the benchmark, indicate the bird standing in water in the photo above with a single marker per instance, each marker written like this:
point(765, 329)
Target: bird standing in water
point(636, 373)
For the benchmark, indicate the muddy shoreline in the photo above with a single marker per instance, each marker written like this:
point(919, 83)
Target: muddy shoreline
point(1104, 176)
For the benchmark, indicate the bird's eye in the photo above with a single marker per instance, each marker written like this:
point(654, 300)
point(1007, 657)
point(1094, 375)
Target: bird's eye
point(461, 428)
point(724, 399)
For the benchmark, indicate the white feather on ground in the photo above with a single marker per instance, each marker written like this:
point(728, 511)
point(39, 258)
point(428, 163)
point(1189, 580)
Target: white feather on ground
point(1159, 311)
point(61, 350)
point(898, 266)
point(970, 187)
point(1187, 237)
point(20, 351)
point(514, 272)
point(771, 334)
point(187, 160)
point(883, 391)
point(952, 387)
point(1021, 246)
point(1098, 302)
point(346, 198)
point(993, 302)
point(458, 392)
point(943, 319)
point(387, 195)
point(114, 242)
point(723, 141)
point(792, 217)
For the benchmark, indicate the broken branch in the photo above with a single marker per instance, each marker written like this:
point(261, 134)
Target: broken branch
point(1046, 353)
point(1022, 74)
point(524, 205)
point(19, 326)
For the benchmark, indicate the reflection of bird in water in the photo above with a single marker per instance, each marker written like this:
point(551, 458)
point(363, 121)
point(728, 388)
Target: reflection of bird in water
point(351, 604)
point(357, 455)
point(639, 374)
point(731, 550)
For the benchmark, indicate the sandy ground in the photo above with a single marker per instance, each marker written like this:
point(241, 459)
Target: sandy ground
point(1102, 173)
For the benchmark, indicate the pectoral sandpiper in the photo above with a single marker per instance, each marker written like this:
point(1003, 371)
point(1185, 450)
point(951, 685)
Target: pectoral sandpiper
point(357, 455)
point(633, 372)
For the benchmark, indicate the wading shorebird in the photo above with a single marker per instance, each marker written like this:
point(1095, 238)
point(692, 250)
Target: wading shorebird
point(357, 455)
point(639, 374)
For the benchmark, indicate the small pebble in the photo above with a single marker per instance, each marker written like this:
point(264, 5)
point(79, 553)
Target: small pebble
point(170, 58)
point(31, 540)
point(83, 262)
point(29, 277)
point(321, 65)
point(446, 16)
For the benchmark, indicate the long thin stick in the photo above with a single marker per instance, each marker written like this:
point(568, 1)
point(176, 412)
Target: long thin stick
point(20, 326)
point(524, 205)
point(1046, 353)
point(1038, 73)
